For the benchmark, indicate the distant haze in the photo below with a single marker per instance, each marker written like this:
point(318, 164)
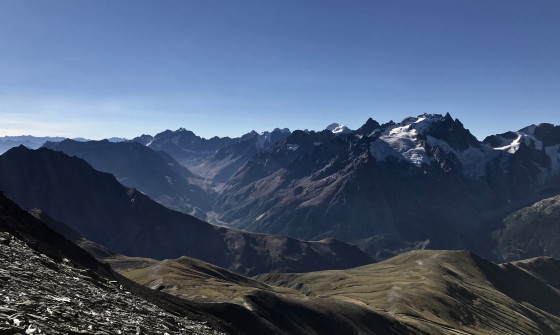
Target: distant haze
point(105, 68)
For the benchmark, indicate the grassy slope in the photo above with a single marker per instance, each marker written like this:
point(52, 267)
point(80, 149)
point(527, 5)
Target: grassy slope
point(284, 310)
point(431, 292)
point(185, 277)
point(441, 292)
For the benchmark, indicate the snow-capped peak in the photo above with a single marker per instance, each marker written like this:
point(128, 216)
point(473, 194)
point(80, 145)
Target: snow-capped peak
point(510, 142)
point(421, 124)
point(337, 128)
point(401, 141)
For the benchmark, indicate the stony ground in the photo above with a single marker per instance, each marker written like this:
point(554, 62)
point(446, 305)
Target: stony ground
point(40, 296)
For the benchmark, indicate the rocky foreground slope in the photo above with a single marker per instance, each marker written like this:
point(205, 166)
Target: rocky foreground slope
point(39, 295)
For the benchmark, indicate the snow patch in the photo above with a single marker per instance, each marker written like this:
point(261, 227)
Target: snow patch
point(522, 137)
point(513, 146)
point(473, 160)
point(423, 123)
point(336, 128)
point(374, 132)
point(292, 147)
point(400, 142)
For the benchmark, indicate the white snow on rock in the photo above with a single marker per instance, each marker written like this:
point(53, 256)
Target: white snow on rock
point(292, 147)
point(513, 146)
point(525, 135)
point(401, 140)
point(473, 160)
point(336, 128)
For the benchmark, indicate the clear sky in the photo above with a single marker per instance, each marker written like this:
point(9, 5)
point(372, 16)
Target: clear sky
point(106, 68)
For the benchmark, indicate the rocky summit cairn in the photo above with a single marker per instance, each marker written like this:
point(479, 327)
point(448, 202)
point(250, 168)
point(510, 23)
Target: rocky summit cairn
point(41, 296)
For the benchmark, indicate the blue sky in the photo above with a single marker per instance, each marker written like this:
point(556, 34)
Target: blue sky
point(107, 68)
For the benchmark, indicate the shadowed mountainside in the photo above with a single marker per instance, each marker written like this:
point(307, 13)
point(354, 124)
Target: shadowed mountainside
point(425, 181)
point(154, 173)
point(94, 204)
point(531, 231)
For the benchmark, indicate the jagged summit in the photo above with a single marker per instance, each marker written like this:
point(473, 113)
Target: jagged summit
point(543, 138)
point(369, 128)
point(435, 139)
point(337, 128)
point(412, 139)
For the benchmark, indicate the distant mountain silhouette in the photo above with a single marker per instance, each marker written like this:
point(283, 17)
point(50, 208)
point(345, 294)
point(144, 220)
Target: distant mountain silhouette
point(153, 173)
point(214, 159)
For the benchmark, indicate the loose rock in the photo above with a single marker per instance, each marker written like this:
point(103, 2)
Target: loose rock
point(39, 296)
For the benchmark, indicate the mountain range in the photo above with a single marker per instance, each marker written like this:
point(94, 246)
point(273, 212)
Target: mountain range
point(173, 225)
point(423, 182)
point(97, 206)
point(34, 142)
point(388, 188)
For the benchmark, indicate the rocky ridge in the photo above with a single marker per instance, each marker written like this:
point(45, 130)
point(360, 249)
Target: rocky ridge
point(530, 232)
point(39, 295)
